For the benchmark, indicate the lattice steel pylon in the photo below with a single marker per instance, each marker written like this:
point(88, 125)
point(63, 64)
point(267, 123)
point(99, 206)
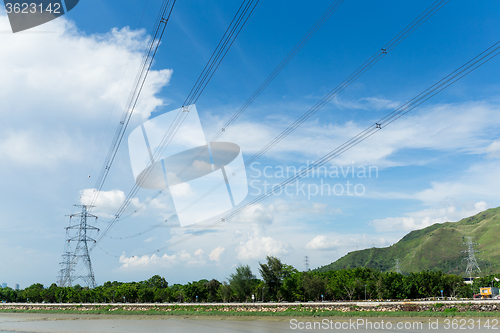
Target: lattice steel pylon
point(471, 257)
point(306, 262)
point(397, 267)
point(66, 269)
point(80, 254)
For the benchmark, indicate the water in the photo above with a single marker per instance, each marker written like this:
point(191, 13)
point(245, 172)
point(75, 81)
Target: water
point(24, 322)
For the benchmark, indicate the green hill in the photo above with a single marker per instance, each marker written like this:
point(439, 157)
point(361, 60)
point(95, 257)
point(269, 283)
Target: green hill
point(437, 247)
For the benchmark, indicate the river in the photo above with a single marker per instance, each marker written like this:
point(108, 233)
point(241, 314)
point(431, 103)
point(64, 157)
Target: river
point(74, 323)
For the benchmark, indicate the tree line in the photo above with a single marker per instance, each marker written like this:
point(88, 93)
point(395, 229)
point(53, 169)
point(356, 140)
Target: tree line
point(278, 282)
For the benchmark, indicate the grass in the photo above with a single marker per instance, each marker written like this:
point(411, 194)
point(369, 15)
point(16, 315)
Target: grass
point(288, 313)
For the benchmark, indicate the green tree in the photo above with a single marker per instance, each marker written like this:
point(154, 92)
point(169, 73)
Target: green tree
point(225, 292)
point(196, 291)
point(271, 273)
point(33, 293)
point(292, 288)
point(242, 282)
point(213, 287)
point(8, 294)
point(177, 293)
point(157, 281)
point(314, 286)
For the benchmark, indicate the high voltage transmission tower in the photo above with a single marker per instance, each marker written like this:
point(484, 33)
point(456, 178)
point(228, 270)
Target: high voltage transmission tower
point(397, 267)
point(306, 262)
point(66, 269)
point(471, 257)
point(80, 254)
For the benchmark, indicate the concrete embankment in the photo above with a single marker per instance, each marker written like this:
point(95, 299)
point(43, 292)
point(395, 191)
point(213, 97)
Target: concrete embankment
point(368, 306)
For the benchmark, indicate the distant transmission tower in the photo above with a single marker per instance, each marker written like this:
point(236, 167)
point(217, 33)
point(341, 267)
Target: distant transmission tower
point(66, 269)
point(80, 254)
point(397, 267)
point(471, 257)
point(306, 262)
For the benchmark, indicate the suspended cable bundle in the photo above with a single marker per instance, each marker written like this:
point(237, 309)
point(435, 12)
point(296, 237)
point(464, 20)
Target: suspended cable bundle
point(310, 33)
point(148, 57)
point(318, 24)
point(230, 35)
point(200, 84)
point(430, 11)
point(145, 67)
point(439, 86)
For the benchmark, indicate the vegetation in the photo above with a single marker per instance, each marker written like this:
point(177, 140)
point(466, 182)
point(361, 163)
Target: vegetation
point(280, 282)
point(436, 248)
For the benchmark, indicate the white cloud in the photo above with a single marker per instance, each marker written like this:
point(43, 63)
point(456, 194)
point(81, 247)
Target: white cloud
point(146, 261)
point(260, 247)
point(427, 217)
point(256, 214)
point(107, 202)
point(322, 243)
point(70, 78)
point(493, 149)
point(182, 190)
point(199, 253)
point(216, 253)
point(457, 128)
point(344, 243)
point(150, 239)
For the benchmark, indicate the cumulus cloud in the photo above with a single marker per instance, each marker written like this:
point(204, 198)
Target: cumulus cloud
point(165, 260)
point(257, 214)
point(344, 243)
point(182, 190)
point(427, 217)
point(322, 243)
point(70, 78)
point(216, 253)
point(260, 247)
point(107, 202)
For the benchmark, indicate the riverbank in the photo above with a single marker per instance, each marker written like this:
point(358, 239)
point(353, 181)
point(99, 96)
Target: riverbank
point(465, 308)
point(116, 323)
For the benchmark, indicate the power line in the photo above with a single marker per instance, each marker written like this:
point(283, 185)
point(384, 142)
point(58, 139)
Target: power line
point(402, 35)
point(439, 86)
point(310, 33)
point(303, 41)
point(230, 35)
point(410, 28)
point(153, 45)
point(116, 98)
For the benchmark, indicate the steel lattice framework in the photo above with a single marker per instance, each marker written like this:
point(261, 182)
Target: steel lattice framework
point(472, 264)
point(80, 254)
point(397, 267)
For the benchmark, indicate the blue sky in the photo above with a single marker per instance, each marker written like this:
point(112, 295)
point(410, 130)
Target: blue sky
point(64, 85)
